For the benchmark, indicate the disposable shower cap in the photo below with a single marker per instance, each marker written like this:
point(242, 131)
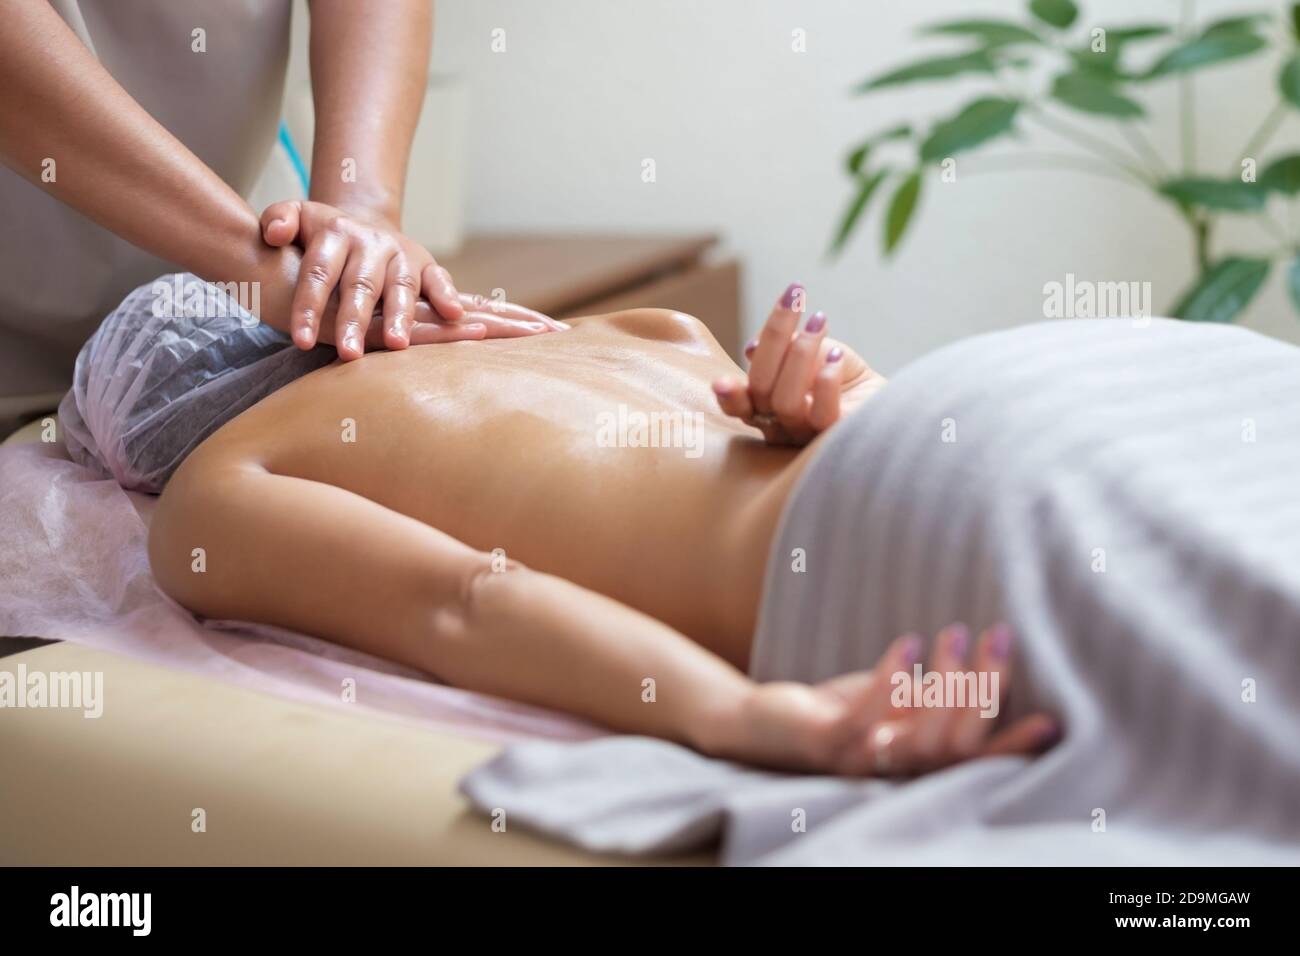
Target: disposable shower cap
point(169, 366)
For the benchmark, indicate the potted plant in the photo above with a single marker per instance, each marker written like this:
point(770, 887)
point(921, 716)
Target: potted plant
point(1093, 99)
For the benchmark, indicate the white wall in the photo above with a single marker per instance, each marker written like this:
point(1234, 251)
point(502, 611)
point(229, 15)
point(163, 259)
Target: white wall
point(749, 138)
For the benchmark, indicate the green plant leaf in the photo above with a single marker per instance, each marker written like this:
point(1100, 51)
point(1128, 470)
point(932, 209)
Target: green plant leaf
point(1239, 24)
point(1105, 64)
point(867, 186)
point(978, 123)
point(1295, 20)
point(1293, 282)
point(1230, 195)
point(1206, 51)
point(937, 68)
point(1224, 291)
point(901, 208)
point(1282, 175)
point(1085, 92)
point(858, 158)
point(1056, 13)
point(1146, 31)
point(1289, 81)
point(991, 33)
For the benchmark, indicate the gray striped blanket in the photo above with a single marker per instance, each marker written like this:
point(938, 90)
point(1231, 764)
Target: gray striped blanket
point(1126, 494)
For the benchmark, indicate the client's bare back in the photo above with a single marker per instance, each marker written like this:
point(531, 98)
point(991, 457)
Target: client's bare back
point(599, 455)
point(559, 520)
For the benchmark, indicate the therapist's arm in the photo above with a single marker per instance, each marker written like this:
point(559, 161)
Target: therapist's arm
point(63, 115)
point(68, 127)
point(369, 69)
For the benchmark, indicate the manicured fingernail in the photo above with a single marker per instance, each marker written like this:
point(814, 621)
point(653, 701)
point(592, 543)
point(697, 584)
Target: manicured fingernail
point(816, 322)
point(750, 346)
point(1050, 734)
point(352, 340)
point(537, 326)
point(912, 647)
point(1000, 642)
point(564, 325)
point(793, 294)
point(277, 222)
point(834, 355)
point(958, 640)
point(721, 388)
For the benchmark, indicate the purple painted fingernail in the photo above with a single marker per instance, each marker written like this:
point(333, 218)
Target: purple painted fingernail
point(816, 322)
point(958, 640)
point(793, 294)
point(750, 346)
point(1000, 642)
point(1050, 734)
point(834, 355)
point(912, 647)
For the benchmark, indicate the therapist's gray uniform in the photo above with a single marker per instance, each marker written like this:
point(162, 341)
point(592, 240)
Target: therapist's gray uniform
point(60, 274)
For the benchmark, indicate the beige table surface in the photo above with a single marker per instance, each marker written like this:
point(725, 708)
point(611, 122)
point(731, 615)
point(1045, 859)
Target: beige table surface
point(279, 782)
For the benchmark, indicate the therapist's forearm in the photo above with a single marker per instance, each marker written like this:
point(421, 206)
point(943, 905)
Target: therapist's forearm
point(68, 127)
point(369, 69)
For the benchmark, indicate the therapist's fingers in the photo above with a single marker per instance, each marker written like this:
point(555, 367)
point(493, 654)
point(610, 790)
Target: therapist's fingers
point(509, 310)
point(318, 274)
point(500, 327)
point(773, 343)
point(401, 287)
point(434, 333)
point(437, 287)
point(281, 221)
point(359, 289)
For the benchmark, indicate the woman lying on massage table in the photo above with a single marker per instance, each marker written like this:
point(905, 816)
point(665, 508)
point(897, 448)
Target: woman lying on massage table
point(482, 523)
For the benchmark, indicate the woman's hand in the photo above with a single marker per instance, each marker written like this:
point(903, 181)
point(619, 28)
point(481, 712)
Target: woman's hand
point(855, 725)
point(800, 382)
point(373, 266)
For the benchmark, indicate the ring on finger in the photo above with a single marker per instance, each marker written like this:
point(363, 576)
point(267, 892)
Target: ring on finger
point(882, 742)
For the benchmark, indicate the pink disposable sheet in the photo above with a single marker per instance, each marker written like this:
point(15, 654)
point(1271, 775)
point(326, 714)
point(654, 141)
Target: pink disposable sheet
point(73, 567)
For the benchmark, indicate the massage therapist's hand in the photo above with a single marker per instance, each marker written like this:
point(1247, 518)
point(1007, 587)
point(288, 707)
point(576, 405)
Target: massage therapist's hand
point(361, 264)
point(277, 277)
point(800, 382)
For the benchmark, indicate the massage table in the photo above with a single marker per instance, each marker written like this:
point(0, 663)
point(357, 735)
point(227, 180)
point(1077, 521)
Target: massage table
point(279, 781)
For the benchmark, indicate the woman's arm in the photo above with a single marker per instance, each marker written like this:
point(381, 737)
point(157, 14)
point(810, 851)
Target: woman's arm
point(111, 160)
point(384, 583)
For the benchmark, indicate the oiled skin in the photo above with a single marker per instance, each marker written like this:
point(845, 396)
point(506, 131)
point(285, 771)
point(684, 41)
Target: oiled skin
point(631, 569)
point(496, 444)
